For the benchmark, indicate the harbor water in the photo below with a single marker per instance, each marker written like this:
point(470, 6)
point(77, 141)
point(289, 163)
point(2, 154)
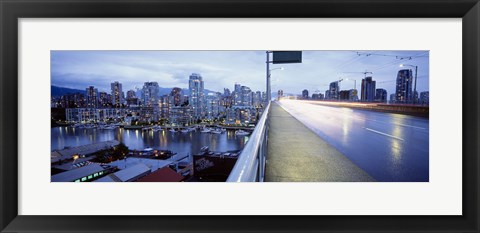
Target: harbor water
point(137, 139)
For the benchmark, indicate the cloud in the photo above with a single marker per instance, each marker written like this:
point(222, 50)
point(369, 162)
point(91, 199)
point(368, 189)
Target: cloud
point(222, 69)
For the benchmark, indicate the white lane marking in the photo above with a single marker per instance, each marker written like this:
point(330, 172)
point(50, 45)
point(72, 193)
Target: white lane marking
point(416, 127)
point(384, 134)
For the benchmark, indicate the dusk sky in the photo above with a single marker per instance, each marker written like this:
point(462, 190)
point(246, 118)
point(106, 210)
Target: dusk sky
point(220, 69)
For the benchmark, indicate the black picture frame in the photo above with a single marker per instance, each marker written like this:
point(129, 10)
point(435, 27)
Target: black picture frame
point(12, 10)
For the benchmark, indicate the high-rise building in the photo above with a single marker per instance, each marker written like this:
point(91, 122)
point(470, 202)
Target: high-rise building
point(403, 90)
point(334, 90)
point(150, 92)
point(104, 99)
point(424, 98)
point(117, 94)
point(92, 97)
point(196, 99)
point(381, 95)
point(72, 100)
point(368, 90)
point(327, 94)
point(177, 96)
point(180, 115)
point(132, 99)
point(392, 98)
point(237, 95)
point(305, 94)
point(246, 96)
point(165, 105)
point(344, 95)
point(257, 99)
point(212, 106)
point(131, 94)
point(317, 96)
point(226, 92)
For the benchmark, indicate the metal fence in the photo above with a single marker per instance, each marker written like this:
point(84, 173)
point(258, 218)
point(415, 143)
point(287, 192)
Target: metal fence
point(250, 166)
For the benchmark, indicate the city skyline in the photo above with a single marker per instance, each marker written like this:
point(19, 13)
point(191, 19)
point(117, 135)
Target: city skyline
point(79, 69)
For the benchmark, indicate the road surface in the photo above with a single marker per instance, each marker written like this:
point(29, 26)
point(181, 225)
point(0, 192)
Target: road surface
point(389, 147)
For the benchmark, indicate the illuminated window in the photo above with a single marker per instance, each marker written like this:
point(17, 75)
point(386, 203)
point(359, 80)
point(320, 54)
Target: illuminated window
point(77, 180)
point(84, 178)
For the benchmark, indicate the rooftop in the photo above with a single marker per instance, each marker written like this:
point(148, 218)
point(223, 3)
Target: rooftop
point(165, 174)
point(131, 173)
point(68, 153)
point(154, 164)
point(78, 173)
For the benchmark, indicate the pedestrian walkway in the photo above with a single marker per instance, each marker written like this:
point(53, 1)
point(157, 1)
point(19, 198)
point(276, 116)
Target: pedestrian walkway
point(296, 154)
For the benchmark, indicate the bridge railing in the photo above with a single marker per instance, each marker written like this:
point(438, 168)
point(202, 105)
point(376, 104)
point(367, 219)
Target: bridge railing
point(250, 165)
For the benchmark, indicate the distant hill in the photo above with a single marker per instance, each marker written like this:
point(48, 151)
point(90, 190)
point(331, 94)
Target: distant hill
point(59, 91)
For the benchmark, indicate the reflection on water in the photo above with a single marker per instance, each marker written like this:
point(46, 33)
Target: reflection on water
point(182, 143)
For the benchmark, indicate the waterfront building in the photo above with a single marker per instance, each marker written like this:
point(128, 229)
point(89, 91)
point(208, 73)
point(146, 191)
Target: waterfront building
point(241, 115)
point(424, 98)
point(212, 106)
point(165, 174)
point(180, 115)
point(305, 94)
point(196, 99)
point(334, 90)
point(117, 94)
point(92, 97)
point(403, 89)
point(164, 104)
point(84, 115)
point(83, 174)
point(381, 95)
point(150, 92)
point(104, 100)
point(128, 174)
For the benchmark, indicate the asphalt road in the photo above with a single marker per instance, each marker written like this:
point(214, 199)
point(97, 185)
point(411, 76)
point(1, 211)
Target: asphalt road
point(389, 147)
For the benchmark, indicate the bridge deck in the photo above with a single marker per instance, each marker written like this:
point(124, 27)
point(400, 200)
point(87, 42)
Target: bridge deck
point(295, 153)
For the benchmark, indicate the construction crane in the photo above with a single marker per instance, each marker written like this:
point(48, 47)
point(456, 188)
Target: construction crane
point(364, 72)
point(355, 81)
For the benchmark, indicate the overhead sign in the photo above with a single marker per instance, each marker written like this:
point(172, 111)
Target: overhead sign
point(281, 57)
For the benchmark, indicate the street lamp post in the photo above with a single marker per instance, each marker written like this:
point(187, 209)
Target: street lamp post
point(269, 74)
point(415, 84)
point(268, 77)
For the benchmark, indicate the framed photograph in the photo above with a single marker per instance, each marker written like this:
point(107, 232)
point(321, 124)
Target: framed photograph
point(311, 116)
